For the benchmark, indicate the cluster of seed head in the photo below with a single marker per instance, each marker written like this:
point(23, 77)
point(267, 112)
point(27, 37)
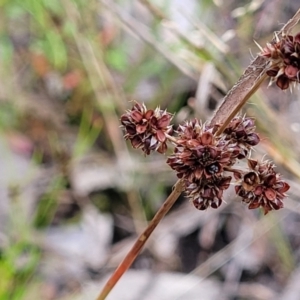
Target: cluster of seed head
point(284, 60)
point(202, 159)
point(147, 129)
point(261, 186)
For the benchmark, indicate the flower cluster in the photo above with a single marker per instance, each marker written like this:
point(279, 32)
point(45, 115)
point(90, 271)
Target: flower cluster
point(147, 129)
point(198, 153)
point(284, 56)
point(206, 193)
point(241, 134)
point(261, 186)
point(202, 159)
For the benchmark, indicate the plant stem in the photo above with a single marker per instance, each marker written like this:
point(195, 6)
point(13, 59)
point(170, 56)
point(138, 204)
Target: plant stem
point(137, 247)
point(240, 104)
point(248, 83)
point(171, 138)
point(240, 93)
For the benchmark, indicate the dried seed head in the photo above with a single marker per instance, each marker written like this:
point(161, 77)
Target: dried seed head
point(201, 158)
point(284, 55)
point(206, 193)
point(261, 186)
point(240, 133)
point(198, 154)
point(147, 129)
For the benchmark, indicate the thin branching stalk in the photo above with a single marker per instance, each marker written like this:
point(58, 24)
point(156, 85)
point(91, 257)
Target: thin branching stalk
point(246, 86)
point(171, 138)
point(239, 103)
point(137, 247)
point(248, 83)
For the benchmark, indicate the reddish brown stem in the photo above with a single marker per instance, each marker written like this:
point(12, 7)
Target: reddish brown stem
point(137, 247)
point(240, 93)
point(248, 83)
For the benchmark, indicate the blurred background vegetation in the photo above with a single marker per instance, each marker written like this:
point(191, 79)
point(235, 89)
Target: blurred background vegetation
point(73, 194)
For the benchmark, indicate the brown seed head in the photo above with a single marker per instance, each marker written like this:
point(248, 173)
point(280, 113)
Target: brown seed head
point(240, 133)
point(206, 193)
point(284, 55)
point(261, 186)
point(147, 129)
point(198, 154)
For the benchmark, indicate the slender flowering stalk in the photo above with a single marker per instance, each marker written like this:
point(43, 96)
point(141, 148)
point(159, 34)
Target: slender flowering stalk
point(204, 154)
point(201, 159)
